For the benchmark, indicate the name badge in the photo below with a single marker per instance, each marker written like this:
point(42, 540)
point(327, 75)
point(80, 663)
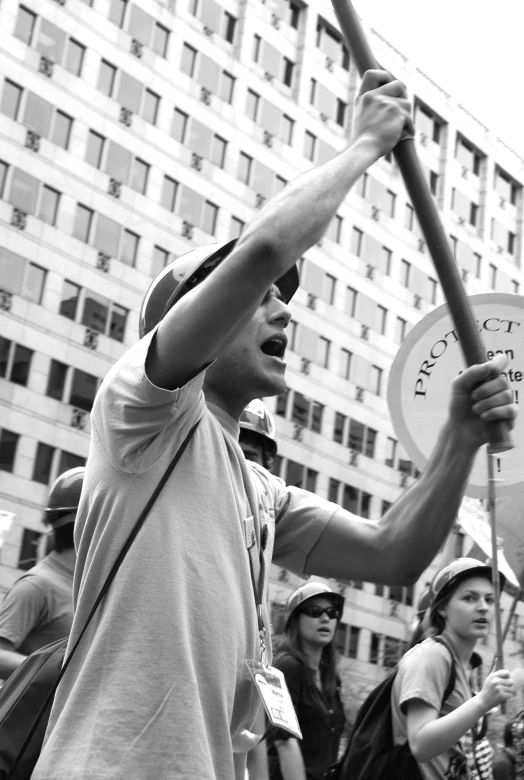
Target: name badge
point(272, 688)
point(249, 527)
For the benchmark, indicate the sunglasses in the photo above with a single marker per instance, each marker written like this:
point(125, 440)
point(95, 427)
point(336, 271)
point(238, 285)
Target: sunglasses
point(315, 611)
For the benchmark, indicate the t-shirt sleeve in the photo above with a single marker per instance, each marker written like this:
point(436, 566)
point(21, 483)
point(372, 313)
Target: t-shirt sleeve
point(300, 519)
point(132, 417)
point(424, 674)
point(293, 672)
point(22, 610)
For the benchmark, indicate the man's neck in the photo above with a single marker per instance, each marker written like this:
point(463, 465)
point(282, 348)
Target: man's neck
point(67, 558)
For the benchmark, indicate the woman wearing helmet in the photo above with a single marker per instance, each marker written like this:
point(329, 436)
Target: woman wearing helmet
point(446, 734)
point(307, 657)
point(257, 437)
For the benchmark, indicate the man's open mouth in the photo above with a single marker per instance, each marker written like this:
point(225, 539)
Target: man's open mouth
point(275, 346)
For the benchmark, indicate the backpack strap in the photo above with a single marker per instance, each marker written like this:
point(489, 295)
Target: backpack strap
point(453, 672)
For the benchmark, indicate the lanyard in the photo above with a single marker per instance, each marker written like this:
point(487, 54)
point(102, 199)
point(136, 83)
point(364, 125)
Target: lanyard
point(258, 587)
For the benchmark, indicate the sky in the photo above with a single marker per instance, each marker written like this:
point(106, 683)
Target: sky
point(473, 49)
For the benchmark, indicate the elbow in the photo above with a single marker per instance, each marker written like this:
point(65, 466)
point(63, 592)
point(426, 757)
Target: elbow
point(420, 752)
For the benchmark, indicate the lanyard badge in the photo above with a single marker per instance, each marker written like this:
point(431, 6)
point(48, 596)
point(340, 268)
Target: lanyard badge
point(271, 685)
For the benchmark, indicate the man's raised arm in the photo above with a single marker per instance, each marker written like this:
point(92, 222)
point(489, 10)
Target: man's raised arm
point(206, 320)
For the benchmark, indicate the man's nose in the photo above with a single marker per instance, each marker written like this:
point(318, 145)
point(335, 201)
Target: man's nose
point(279, 312)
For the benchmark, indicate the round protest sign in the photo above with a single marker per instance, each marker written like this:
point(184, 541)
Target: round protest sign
point(420, 384)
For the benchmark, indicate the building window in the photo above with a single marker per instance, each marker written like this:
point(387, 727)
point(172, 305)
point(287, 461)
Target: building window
point(356, 242)
point(129, 248)
point(43, 463)
point(341, 112)
point(351, 301)
point(473, 213)
point(11, 97)
point(25, 25)
point(83, 222)
point(334, 231)
point(28, 556)
point(345, 363)
point(209, 218)
point(385, 260)
point(218, 151)
point(106, 78)
point(8, 447)
point(83, 390)
point(374, 649)
point(409, 217)
point(15, 362)
point(49, 201)
point(179, 125)
point(139, 176)
point(74, 57)
point(339, 427)
point(244, 168)
point(68, 460)
point(289, 68)
point(390, 203)
point(188, 62)
point(56, 380)
point(492, 276)
point(169, 192)
point(333, 489)
point(159, 261)
point(95, 311)
point(70, 298)
point(433, 182)
point(150, 105)
point(391, 452)
point(432, 290)
point(160, 39)
point(252, 104)
point(94, 149)
point(34, 283)
point(117, 322)
point(381, 319)
point(324, 346)
point(5, 351)
point(376, 380)
point(400, 330)
point(61, 130)
point(286, 129)
point(310, 142)
point(3, 174)
point(330, 289)
point(405, 273)
point(227, 85)
point(117, 12)
point(236, 228)
point(257, 44)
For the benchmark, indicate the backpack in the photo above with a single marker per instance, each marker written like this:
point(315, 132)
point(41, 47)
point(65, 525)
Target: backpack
point(371, 753)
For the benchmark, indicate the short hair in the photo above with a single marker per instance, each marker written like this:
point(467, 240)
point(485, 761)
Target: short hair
point(63, 537)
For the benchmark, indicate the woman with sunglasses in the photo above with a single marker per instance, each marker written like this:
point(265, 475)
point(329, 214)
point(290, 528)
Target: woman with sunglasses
point(446, 733)
point(307, 658)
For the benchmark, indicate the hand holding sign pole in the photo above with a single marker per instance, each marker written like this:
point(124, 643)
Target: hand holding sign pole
point(429, 220)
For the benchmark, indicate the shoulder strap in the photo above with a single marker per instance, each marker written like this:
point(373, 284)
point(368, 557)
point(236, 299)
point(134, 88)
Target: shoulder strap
point(453, 672)
point(105, 587)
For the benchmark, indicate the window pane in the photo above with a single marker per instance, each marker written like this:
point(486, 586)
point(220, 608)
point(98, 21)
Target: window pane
point(24, 191)
point(107, 235)
point(49, 201)
point(244, 168)
point(83, 390)
point(11, 99)
point(82, 226)
point(179, 125)
point(106, 78)
point(209, 218)
point(8, 445)
point(96, 310)
point(129, 248)
point(356, 436)
point(95, 146)
point(294, 474)
point(227, 83)
point(350, 499)
point(74, 57)
point(237, 226)
point(68, 460)
point(37, 114)
point(187, 64)
point(118, 322)
point(159, 260)
point(69, 302)
point(51, 41)
point(3, 173)
point(118, 162)
point(139, 176)
point(62, 130)
point(43, 463)
point(5, 347)
point(56, 380)
point(21, 365)
point(286, 130)
point(169, 193)
point(300, 413)
point(28, 556)
point(25, 25)
point(150, 106)
point(252, 101)
point(117, 12)
point(309, 146)
point(160, 40)
point(218, 151)
point(34, 283)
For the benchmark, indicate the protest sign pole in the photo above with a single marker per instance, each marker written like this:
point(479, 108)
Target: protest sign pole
point(429, 220)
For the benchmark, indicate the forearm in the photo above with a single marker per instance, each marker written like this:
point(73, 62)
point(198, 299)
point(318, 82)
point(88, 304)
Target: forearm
point(439, 735)
point(10, 660)
point(416, 526)
point(291, 761)
point(298, 217)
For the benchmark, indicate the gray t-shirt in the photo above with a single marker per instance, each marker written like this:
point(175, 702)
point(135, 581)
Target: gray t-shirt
point(424, 673)
point(160, 686)
point(38, 609)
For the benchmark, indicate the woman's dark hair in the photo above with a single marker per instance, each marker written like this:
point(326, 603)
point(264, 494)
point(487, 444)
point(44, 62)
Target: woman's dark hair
point(257, 440)
point(292, 644)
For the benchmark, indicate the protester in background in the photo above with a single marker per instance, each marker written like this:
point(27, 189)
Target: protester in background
point(257, 436)
point(38, 609)
point(307, 657)
point(446, 737)
point(424, 601)
point(194, 583)
point(505, 760)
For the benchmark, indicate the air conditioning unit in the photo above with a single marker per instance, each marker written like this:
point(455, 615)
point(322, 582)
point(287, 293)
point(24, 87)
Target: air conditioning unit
point(311, 301)
point(126, 116)
point(330, 64)
point(375, 213)
point(78, 419)
point(359, 394)
point(353, 458)
point(103, 262)
point(298, 432)
point(370, 271)
point(32, 141)
point(275, 21)
point(423, 139)
point(205, 96)
point(115, 188)
point(91, 338)
point(46, 66)
point(187, 229)
point(6, 300)
point(364, 331)
point(196, 161)
point(305, 366)
point(19, 219)
point(137, 48)
point(268, 139)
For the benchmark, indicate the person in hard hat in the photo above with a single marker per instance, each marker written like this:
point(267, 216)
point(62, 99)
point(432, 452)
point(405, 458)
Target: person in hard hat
point(446, 735)
point(257, 436)
point(419, 626)
point(38, 609)
point(159, 682)
point(307, 658)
